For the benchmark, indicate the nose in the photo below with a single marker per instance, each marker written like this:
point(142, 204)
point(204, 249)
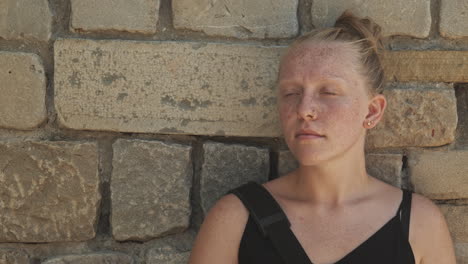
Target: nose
point(307, 108)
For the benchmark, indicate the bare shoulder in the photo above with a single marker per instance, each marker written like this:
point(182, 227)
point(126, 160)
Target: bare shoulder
point(429, 235)
point(219, 236)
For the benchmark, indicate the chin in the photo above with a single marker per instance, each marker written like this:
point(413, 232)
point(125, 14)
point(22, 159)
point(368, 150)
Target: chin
point(309, 158)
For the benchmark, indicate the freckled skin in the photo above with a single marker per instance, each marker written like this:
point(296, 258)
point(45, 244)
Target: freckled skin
point(308, 74)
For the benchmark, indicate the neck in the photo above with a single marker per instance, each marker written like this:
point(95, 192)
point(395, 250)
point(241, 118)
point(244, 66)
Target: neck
point(333, 182)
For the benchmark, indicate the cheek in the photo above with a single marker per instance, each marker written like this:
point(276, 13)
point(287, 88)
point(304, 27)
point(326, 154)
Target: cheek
point(347, 115)
point(286, 110)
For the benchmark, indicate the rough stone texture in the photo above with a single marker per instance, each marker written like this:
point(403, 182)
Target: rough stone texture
point(398, 17)
point(426, 66)
point(92, 258)
point(454, 18)
point(122, 15)
point(461, 92)
point(286, 162)
point(167, 255)
point(416, 115)
point(13, 256)
point(23, 90)
point(386, 167)
point(457, 221)
point(439, 174)
point(49, 191)
point(228, 166)
point(240, 19)
point(167, 87)
point(150, 189)
point(461, 251)
point(25, 19)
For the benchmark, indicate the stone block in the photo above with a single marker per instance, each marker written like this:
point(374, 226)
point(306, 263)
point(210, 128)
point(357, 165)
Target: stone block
point(121, 15)
point(454, 18)
point(167, 255)
point(30, 19)
point(439, 174)
point(150, 189)
point(386, 167)
point(92, 258)
point(416, 115)
point(239, 19)
point(23, 91)
point(397, 17)
point(461, 92)
point(166, 87)
point(286, 162)
point(461, 251)
point(457, 221)
point(228, 166)
point(426, 66)
point(49, 190)
point(13, 256)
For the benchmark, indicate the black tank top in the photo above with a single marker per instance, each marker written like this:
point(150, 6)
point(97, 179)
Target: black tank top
point(388, 245)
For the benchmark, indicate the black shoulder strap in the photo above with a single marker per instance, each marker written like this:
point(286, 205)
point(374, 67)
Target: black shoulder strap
point(405, 210)
point(272, 222)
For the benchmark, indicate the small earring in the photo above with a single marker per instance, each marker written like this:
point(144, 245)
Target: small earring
point(369, 123)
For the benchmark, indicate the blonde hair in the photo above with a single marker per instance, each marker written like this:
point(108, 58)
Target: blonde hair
point(361, 33)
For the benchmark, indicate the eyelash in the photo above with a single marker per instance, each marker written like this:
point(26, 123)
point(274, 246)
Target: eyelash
point(329, 93)
point(286, 95)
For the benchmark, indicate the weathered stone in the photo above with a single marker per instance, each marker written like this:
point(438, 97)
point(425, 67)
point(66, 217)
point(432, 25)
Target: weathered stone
point(122, 15)
point(240, 19)
point(286, 162)
point(457, 221)
point(439, 174)
point(150, 189)
point(92, 258)
point(49, 190)
point(167, 255)
point(426, 66)
point(397, 17)
point(25, 19)
point(23, 91)
point(167, 87)
point(461, 92)
point(228, 166)
point(416, 115)
point(386, 167)
point(13, 256)
point(453, 18)
point(461, 251)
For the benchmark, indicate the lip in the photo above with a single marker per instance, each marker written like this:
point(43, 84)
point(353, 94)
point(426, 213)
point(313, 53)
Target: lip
point(308, 134)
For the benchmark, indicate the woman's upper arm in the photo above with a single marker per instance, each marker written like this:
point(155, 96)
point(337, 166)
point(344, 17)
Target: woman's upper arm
point(219, 236)
point(429, 233)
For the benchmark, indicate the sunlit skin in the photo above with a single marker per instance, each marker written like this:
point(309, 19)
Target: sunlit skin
point(321, 88)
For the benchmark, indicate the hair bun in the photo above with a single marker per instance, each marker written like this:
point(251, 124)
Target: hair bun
point(361, 28)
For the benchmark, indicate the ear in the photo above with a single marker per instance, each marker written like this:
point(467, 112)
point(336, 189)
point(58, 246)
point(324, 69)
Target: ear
point(376, 109)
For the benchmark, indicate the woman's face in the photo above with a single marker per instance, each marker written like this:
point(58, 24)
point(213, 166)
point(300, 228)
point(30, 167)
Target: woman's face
point(320, 89)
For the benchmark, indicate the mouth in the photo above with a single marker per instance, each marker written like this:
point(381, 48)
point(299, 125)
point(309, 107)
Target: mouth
point(308, 134)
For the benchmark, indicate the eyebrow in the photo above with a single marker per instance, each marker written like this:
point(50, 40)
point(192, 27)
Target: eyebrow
point(330, 78)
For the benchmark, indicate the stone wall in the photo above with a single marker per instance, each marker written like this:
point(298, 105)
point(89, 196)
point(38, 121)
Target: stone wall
point(122, 122)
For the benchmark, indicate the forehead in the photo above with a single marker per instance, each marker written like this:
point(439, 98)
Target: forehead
point(327, 59)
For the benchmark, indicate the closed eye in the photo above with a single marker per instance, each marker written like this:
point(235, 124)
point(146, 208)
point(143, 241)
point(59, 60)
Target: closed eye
point(290, 94)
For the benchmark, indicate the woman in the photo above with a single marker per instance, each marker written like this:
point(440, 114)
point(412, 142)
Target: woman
point(329, 93)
